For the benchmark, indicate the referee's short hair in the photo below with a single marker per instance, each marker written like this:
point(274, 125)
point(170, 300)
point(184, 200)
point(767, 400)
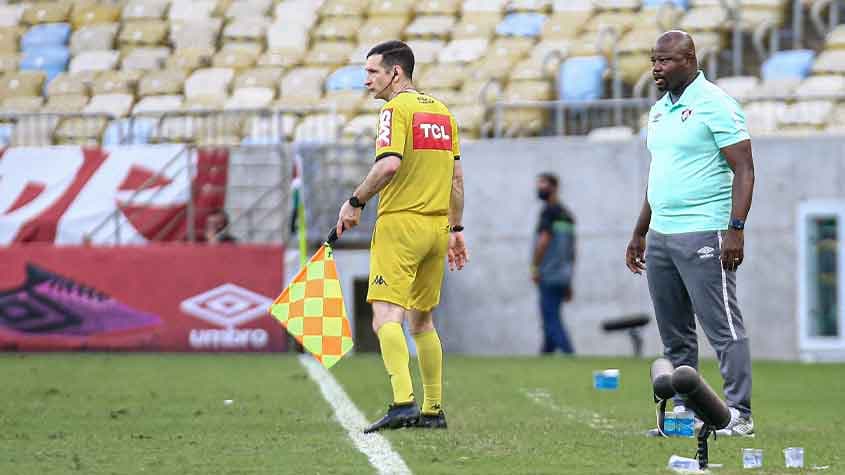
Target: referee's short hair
point(395, 53)
point(550, 177)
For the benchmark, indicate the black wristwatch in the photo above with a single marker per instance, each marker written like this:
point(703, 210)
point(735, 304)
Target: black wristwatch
point(737, 224)
point(456, 229)
point(356, 203)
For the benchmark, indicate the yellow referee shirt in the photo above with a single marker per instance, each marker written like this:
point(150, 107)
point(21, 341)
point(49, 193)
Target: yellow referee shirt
point(422, 132)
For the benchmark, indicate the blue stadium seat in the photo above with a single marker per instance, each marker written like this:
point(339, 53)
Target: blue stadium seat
point(129, 132)
point(682, 4)
point(50, 59)
point(792, 64)
point(346, 78)
point(261, 140)
point(581, 78)
point(521, 24)
point(6, 131)
point(46, 34)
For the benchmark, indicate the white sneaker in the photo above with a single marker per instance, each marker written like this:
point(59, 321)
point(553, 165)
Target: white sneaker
point(738, 426)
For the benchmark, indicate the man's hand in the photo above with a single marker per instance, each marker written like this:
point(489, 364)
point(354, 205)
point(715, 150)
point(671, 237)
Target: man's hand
point(458, 254)
point(732, 249)
point(635, 254)
point(348, 218)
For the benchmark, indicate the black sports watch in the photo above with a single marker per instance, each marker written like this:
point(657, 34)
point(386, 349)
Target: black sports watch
point(737, 224)
point(456, 229)
point(356, 203)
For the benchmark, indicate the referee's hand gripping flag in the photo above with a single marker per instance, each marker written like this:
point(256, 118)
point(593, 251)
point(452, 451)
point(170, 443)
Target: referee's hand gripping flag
point(311, 308)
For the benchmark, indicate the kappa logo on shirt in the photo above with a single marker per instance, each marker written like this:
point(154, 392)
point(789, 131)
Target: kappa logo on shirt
point(686, 115)
point(385, 134)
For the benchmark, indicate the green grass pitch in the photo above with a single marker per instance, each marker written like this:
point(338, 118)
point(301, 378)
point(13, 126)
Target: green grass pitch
point(163, 414)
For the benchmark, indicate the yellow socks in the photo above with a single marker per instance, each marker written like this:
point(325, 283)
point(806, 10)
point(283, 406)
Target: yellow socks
point(430, 355)
point(394, 351)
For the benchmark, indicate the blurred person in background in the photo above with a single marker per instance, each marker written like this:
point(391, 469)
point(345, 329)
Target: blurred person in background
point(217, 228)
point(553, 262)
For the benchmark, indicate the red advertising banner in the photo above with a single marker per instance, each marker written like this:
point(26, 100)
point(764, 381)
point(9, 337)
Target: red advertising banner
point(162, 297)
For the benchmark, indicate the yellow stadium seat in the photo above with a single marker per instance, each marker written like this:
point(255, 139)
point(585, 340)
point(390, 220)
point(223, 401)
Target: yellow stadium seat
point(250, 98)
point(573, 6)
point(192, 10)
point(836, 122)
point(611, 134)
point(209, 82)
point(474, 7)
point(762, 117)
point(145, 58)
point(543, 62)
point(246, 29)
point(52, 12)
point(21, 105)
point(830, 62)
point(152, 105)
point(10, 15)
point(633, 66)
point(112, 82)
point(94, 61)
point(450, 97)
point(198, 33)
point(358, 55)
point(9, 62)
point(237, 60)
point(66, 104)
point(69, 84)
point(93, 38)
point(303, 86)
point(143, 33)
point(617, 4)
point(470, 119)
point(360, 128)
point(638, 41)
point(476, 25)
point(390, 8)
point(159, 83)
point(448, 75)
point(343, 8)
point(117, 105)
point(144, 10)
point(94, 14)
point(21, 83)
point(704, 19)
point(620, 22)
point(259, 77)
point(302, 13)
point(425, 51)
point(437, 7)
point(813, 113)
point(347, 103)
point(276, 126)
point(381, 28)
point(246, 47)
point(319, 128)
point(34, 131)
point(463, 50)
point(329, 53)
point(430, 27)
point(338, 28)
point(564, 25)
point(9, 39)
point(738, 87)
point(248, 8)
point(836, 38)
point(281, 57)
point(190, 59)
point(537, 6)
point(667, 17)
point(816, 86)
point(503, 54)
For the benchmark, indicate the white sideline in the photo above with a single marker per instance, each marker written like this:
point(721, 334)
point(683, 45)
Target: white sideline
point(377, 449)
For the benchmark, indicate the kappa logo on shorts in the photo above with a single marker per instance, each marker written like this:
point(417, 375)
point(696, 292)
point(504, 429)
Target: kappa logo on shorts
point(385, 133)
point(705, 252)
point(379, 281)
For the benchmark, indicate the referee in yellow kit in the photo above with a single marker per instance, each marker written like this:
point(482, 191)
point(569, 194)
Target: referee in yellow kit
point(418, 176)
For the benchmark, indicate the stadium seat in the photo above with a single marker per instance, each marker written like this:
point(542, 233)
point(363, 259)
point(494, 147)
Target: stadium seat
point(581, 78)
point(9, 38)
point(632, 67)
point(134, 131)
point(21, 83)
point(830, 62)
point(444, 75)
point(425, 51)
point(638, 41)
point(543, 62)
point(774, 88)
point(209, 82)
point(197, 33)
point(344, 102)
point(430, 27)
point(80, 130)
point(144, 10)
point(192, 10)
point(382, 28)
point(836, 38)
point(285, 39)
point(704, 19)
point(738, 87)
point(682, 4)
point(6, 131)
point(338, 29)
point(66, 104)
point(34, 131)
point(812, 113)
point(268, 130)
point(47, 12)
point(94, 14)
point(473, 7)
point(158, 83)
point(395, 9)
point(476, 25)
point(111, 82)
point(526, 6)
point(248, 8)
point(143, 33)
point(346, 78)
point(69, 83)
point(246, 29)
point(250, 98)
point(821, 86)
point(343, 8)
point(437, 7)
point(836, 122)
point(253, 49)
point(521, 24)
point(617, 4)
point(463, 50)
point(189, 59)
point(116, 105)
point(9, 62)
point(611, 134)
point(93, 38)
point(51, 59)
point(302, 13)
point(94, 61)
point(10, 15)
point(450, 97)
point(788, 64)
point(302, 87)
point(470, 119)
point(319, 128)
point(151, 105)
point(145, 58)
point(566, 25)
point(329, 53)
point(762, 117)
point(21, 105)
point(259, 77)
point(360, 128)
point(501, 56)
point(619, 22)
point(237, 60)
point(48, 34)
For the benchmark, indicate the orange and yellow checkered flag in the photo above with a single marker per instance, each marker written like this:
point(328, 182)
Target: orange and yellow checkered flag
point(312, 309)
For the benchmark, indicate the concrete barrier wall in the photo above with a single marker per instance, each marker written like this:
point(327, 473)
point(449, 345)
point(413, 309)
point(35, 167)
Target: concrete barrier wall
point(491, 307)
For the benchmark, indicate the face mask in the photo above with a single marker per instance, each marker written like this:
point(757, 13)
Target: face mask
point(543, 194)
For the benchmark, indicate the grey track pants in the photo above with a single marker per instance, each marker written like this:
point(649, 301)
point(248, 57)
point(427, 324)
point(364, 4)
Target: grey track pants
point(686, 279)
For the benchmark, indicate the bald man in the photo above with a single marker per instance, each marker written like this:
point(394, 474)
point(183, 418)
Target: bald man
point(699, 191)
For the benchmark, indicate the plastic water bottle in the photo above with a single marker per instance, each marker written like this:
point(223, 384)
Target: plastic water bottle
point(679, 423)
point(607, 380)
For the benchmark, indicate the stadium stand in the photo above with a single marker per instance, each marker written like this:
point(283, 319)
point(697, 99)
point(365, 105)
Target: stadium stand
point(181, 56)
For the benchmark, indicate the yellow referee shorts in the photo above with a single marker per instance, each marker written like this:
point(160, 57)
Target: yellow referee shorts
point(407, 260)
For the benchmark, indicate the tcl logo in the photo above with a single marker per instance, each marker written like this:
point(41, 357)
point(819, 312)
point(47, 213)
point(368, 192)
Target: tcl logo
point(432, 131)
point(384, 130)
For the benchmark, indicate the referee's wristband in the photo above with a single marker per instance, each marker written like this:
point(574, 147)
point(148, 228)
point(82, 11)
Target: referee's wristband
point(456, 229)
